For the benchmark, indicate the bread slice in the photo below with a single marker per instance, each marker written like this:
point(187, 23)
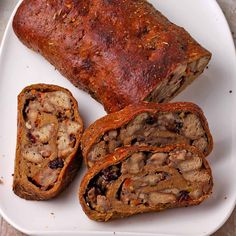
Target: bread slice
point(147, 124)
point(48, 137)
point(138, 179)
point(121, 52)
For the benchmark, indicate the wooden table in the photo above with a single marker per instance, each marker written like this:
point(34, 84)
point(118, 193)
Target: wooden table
point(229, 8)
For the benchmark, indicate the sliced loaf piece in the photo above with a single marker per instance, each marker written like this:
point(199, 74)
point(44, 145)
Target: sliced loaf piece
point(48, 138)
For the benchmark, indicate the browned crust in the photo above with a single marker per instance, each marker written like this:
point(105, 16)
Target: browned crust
point(115, 120)
point(105, 48)
point(118, 156)
point(27, 190)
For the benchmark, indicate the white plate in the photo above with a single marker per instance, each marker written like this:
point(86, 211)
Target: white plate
point(20, 66)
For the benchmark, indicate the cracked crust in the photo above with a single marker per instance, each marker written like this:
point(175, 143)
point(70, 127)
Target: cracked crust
point(66, 167)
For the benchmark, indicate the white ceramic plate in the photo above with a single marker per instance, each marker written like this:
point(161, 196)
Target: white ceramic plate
point(20, 66)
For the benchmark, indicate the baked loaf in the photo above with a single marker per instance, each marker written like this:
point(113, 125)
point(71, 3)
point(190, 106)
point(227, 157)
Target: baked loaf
point(147, 124)
point(121, 52)
point(136, 179)
point(48, 137)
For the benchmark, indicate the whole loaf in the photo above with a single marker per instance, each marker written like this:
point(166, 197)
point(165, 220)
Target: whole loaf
point(120, 51)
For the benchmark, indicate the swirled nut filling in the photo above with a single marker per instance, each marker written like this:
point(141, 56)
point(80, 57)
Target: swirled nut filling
point(177, 81)
point(160, 129)
point(49, 135)
point(150, 179)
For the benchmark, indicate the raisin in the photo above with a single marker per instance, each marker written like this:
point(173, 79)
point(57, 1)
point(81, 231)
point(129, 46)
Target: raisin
point(133, 141)
point(56, 163)
point(31, 137)
point(183, 196)
point(166, 175)
point(60, 116)
point(178, 126)
point(178, 170)
point(111, 173)
point(150, 120)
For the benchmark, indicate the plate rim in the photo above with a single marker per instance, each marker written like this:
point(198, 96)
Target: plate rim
point(70, 232)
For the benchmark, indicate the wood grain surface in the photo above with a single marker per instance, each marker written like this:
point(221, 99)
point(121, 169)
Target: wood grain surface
point(229, 9)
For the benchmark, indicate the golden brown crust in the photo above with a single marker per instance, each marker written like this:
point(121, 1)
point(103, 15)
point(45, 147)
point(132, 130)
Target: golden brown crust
point(120, 155)
point(115, 120)
point(26, 189)
point(118, 51)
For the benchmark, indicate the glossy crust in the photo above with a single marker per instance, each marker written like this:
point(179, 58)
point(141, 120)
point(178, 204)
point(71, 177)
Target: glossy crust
point(21, 186)
point(118, 51)
point(115, 120)
point(118, 156)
